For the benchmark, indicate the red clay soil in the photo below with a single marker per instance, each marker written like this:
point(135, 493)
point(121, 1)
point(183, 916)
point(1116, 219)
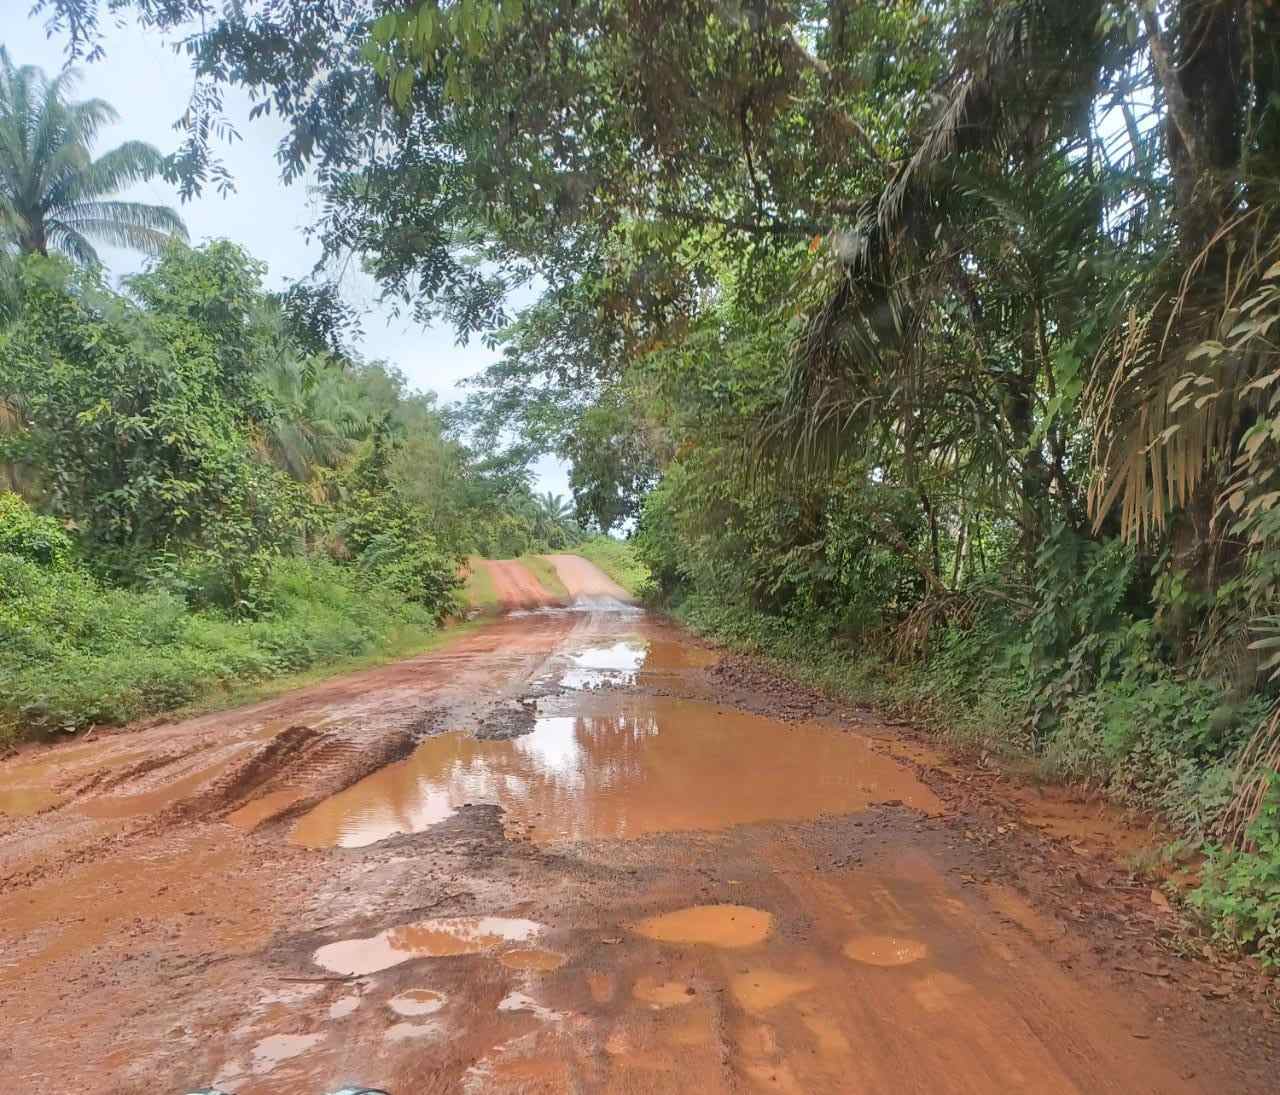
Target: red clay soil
point(586, 581)
point(567, 854)
point(516, 585)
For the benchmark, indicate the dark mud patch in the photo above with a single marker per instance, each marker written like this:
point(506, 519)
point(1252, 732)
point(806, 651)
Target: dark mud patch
point(742, 682)
point(511, 719)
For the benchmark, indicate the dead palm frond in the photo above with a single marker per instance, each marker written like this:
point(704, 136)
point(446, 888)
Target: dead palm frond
point(1191, 373)
point(1256, 767)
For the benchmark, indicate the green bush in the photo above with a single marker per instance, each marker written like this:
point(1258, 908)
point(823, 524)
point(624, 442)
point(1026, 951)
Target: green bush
point(31, 536)
point(74, 652)
point(1239, 892)
point(415, 568)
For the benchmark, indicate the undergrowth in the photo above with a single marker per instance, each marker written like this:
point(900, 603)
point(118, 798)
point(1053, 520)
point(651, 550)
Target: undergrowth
point(75, 652)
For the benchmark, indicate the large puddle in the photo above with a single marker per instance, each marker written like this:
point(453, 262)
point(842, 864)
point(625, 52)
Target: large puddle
point(440, 938)
point(644, 765)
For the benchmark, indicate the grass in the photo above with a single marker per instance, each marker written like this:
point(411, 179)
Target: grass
point(75, 653)
point(478, 592)
point(618, 559)
point(409, 645)
point(544, 570)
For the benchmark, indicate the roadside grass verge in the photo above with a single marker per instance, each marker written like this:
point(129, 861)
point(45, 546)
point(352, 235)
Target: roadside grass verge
point(619, 560)
point(544, 570)
point(478, 593)
point(76, 653)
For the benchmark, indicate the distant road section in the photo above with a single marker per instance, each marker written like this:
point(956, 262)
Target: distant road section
point(586, 581)
point(516, 585)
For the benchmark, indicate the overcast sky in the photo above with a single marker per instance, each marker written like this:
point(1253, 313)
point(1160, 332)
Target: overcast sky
point(148, 85)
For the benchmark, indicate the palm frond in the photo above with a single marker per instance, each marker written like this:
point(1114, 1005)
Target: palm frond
point(146, 228)
point(1188, 374)
point(129, 163)
point(53, 193)
point(72, 244)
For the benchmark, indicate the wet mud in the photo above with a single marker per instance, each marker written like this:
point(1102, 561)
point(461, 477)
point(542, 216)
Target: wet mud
point(576, 851)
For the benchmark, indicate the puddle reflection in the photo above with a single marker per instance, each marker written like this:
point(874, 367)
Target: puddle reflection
point(653, 765)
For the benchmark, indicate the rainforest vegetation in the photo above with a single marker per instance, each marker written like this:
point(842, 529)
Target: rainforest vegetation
point(929, 345)
point(201, 483)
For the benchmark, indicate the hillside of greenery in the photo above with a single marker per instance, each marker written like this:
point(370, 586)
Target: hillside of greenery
point(932, 342)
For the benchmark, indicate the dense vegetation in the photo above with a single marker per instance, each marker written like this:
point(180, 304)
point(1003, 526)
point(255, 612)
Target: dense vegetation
point(937, 329)
point(198, 497)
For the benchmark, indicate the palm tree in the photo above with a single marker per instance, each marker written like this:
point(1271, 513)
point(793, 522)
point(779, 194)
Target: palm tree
point(554, 508)
point(54, 196)
point(553, 520)
point(318, 417)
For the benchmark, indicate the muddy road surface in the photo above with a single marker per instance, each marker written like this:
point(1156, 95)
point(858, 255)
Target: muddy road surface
point(575, 851)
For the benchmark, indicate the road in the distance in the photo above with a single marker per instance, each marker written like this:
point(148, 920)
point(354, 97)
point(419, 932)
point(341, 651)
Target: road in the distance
point(564, 853)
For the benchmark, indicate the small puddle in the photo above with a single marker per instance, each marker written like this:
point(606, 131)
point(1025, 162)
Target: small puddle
point(713, 925)
point(532, 959)
point(440, 938)
point(278, 1048)
point(519, 1001)
point(623, 661)
point(417, 1002)
point(340, 1009)
point(404, 1032)
point(647, 765)
point(615, 663)
point(885, 950)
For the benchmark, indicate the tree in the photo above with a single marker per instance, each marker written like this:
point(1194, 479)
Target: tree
point(54, 195)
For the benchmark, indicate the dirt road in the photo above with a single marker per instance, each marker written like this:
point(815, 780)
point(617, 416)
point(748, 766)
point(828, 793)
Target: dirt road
point(575, 851)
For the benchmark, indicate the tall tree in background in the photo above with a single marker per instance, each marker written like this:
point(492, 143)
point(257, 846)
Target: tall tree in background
point(54, 196)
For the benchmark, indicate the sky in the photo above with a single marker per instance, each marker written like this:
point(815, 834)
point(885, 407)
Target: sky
point(148, 85)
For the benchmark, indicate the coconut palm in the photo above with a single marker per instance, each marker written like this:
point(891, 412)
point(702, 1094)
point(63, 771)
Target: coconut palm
point(54, 196)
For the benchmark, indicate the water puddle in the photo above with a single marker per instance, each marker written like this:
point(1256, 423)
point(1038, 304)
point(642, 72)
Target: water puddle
point(440, 938)
point(254, 813)
point(532, 959)
point(519, 1001)
point(340, 1009)
point(416, 1002)
point(616, 663)
point(622, 662)
point(714, 925)
point(278, 1048)
point(885, 950)
point(643, 765)
point(760, 990)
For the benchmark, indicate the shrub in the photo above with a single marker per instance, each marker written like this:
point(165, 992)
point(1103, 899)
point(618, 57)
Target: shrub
point(31, 536)
point(75, 652)
point(1239, 892)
